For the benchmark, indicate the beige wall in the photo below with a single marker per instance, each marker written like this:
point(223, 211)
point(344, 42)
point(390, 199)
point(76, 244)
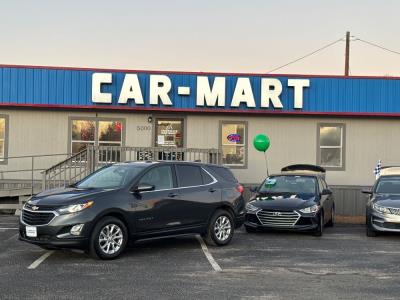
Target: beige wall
point(293, 140)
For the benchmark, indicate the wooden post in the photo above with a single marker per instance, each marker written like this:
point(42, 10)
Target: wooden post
point(347, 55)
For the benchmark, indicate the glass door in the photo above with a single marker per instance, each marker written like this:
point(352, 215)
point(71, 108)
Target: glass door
point(169, 135)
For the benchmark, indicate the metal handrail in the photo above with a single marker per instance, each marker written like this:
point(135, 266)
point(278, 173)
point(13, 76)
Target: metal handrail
point(31, 170)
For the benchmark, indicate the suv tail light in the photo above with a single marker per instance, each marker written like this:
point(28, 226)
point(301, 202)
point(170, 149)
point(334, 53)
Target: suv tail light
point(240, 188)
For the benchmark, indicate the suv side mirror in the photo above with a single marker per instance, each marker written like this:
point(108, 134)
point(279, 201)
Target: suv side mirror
point(326, 192)
point(143, 187)
point(367, 191)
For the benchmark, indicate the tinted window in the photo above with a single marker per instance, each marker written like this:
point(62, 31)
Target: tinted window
point(206, 177)
point(189, 175)
point(223, 174)
point(160, 177)
point(110, 177)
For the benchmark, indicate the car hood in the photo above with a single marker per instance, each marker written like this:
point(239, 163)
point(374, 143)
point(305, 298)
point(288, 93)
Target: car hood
point(64, 196)
point(389, 200)
point(283, 201)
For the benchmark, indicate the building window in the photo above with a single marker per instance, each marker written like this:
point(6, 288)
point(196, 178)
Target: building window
point(83, 134)
point(97, 132)
point(234, 143)
point(331, 146)
point(3, 138)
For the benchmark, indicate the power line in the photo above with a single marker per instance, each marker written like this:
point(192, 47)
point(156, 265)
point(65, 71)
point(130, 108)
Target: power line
point(307, 55)
point(376, 45)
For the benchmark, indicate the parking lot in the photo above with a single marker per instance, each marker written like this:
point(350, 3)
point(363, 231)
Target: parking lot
point(343, 264)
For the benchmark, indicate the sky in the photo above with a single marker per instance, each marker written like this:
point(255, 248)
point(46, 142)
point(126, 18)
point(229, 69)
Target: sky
point(253, 36)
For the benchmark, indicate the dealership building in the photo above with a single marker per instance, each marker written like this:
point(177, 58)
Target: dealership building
point(345, 124)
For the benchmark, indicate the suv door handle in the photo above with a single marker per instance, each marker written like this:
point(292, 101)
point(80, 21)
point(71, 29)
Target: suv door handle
point(211, 190)
point(172, 195)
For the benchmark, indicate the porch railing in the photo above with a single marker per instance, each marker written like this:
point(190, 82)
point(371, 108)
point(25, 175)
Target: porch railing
point(92, 158)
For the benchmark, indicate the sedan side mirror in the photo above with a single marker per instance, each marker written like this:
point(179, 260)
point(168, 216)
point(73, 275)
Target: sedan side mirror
point(367, 191)
point(254, 189)
point(326, 192)
point(143, 187)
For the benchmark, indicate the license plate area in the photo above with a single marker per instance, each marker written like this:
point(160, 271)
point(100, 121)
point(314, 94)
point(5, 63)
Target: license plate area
point(31, 231)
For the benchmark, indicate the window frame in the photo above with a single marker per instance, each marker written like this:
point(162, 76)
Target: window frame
point(96, 142)
point(4, 160)
point(245, 143)
point(342, 147)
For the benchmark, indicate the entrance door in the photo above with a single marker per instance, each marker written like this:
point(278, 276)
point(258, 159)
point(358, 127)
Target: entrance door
point(169, 135)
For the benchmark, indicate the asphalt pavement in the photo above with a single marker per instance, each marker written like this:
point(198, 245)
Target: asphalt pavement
point(343, 264)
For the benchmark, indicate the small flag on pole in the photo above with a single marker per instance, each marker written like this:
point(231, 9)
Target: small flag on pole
point(377, 170)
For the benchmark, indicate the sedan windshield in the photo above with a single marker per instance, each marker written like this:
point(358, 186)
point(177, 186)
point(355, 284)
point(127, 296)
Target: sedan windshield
point(388, 185)
point(289, 184)
point(110, 177)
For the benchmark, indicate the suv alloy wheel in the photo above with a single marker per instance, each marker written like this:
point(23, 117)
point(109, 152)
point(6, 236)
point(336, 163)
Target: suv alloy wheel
point(220, 229)
point(109, 238)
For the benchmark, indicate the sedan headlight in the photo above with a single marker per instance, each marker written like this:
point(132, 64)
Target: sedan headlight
point(75, 208)
point(250, 208)
point(310, 210)
point(380, 209)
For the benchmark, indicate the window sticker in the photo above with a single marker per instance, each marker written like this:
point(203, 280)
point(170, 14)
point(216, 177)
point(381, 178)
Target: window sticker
point(270, 182)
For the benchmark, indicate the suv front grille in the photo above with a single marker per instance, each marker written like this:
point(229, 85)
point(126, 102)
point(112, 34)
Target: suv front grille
point(278, 218)
point(42, 207)
point(36, 218)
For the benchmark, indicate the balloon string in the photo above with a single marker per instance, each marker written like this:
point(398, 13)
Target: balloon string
point(266, 162)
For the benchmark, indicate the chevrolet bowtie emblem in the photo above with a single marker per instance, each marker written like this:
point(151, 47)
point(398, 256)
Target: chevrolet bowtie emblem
point(35, 207)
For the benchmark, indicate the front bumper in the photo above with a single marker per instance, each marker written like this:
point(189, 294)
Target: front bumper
point(57, 232)
point(304, 223)
point(385, 222)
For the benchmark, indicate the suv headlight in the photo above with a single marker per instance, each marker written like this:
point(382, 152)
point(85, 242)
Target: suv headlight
point(250, 208)
point(74, 208)
point(380, 209)
point(310, 210)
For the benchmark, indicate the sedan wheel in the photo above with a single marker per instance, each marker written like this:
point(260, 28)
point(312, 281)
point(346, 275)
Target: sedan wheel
point(320, 228)
point(331, 222)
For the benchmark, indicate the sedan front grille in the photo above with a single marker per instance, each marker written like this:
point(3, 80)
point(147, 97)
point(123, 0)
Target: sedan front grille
point(37, 218)
point(284, 219)
point(394, 211)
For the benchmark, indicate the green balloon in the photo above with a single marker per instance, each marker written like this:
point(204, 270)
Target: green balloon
point(261, 142)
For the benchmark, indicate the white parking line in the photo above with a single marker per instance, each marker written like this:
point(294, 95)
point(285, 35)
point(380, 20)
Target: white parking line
point(8, 228)
point(41, 259)
point(208, 255)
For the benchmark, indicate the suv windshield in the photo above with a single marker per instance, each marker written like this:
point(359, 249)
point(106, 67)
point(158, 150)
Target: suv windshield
point(388, 185)
point(111, 177)
point(289, 184)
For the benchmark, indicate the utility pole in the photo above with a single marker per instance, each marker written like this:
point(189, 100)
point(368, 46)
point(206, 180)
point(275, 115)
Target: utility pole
point(347, 55)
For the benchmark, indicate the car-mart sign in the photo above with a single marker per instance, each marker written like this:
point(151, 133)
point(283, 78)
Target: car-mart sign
point(98, 89)
point(208, 93)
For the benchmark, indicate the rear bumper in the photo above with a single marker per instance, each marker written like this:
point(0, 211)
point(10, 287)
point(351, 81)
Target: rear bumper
point(239, 220)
